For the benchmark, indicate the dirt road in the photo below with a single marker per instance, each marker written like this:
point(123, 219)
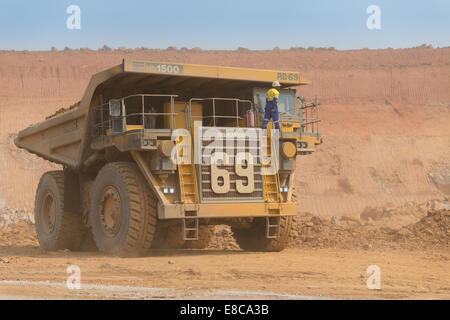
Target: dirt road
point(26, 272)
point(327, 259)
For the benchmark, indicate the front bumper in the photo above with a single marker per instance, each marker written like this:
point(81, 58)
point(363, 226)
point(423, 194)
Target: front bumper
point(227, 210)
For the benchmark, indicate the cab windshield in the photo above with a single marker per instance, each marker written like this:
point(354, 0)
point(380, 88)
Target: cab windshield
point(286, 101)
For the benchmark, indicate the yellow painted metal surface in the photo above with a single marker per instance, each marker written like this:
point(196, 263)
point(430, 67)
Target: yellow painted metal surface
point(271, 175)
point(289, 126)
point(186, 171)
point(40, 137)
point(217, 72)
point(134, 127)
point(129, 128)
point(228, 210)
point(312, 141)
point(180, 117)
point(245, 209)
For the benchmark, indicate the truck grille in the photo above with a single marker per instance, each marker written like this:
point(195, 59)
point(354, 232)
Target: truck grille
point(231, 147)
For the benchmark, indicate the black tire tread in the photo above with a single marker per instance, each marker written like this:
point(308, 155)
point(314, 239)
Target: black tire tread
point(142, 211)
point(71, 229)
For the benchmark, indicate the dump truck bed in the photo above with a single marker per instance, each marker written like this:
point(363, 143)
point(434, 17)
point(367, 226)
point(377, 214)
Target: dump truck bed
point(64, 138)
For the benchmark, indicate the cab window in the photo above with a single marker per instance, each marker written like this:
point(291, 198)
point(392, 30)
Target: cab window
point(286, 101)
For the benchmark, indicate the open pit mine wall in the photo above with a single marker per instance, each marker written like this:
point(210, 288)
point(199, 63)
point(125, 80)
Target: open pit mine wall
point(385, 118)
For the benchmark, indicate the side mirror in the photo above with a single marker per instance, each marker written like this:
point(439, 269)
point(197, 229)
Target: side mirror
point(115, 107)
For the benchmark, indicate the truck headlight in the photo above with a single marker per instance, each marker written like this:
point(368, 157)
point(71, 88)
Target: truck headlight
point(168, 190)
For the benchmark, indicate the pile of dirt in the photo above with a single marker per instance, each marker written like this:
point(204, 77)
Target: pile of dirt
point(10, 217)
point(223, 239)
point(430, 229)
point(16, 227)
point(394, 216)
point(315, 232)
point(63, 110)
point(434, 230)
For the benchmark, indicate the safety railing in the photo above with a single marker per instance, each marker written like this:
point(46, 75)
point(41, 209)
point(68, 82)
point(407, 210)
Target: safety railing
point(214, 116)
point(107, 124)
point(309, 116)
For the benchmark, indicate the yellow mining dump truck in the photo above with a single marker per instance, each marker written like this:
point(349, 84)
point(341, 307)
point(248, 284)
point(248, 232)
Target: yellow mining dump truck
point(155, 154)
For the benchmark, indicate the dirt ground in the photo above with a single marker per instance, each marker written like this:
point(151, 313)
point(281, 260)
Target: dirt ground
point(326, 259)
point(209, 274)
point(374, 193)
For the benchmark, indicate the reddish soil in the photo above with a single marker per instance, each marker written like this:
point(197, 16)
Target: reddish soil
point(386, 153)
point(385, 116)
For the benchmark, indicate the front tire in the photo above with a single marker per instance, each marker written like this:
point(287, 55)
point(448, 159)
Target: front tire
point(123, 210)
point(56, 229)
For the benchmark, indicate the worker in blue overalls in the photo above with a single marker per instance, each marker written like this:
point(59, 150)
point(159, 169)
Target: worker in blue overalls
point(271, 110)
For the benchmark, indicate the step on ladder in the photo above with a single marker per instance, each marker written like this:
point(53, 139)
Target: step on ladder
point(272, 227)
point(188, 193)
point(271, 180)
point(187, 176)
point(190, 229)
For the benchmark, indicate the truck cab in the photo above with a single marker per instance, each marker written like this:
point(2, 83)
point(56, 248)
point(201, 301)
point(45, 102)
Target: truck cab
point(299, 120)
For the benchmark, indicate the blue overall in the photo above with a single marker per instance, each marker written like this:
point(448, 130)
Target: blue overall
point(271, 111)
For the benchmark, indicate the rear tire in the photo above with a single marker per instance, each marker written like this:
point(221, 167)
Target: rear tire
point(254, 238)
point(55, 228)
point(123, 210)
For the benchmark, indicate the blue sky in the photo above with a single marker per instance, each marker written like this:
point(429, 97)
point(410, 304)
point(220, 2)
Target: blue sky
point(225, 24)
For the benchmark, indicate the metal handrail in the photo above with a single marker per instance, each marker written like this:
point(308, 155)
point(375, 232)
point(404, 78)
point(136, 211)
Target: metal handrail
point(225, 117)
point(312, 121)
point(148, 95)
point(309, 124)
point(214, 116)
point(309, 106)
point(101, 108)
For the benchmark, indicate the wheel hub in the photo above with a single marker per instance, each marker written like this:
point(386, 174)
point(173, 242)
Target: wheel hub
point(110, 212)
point(48, 213)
